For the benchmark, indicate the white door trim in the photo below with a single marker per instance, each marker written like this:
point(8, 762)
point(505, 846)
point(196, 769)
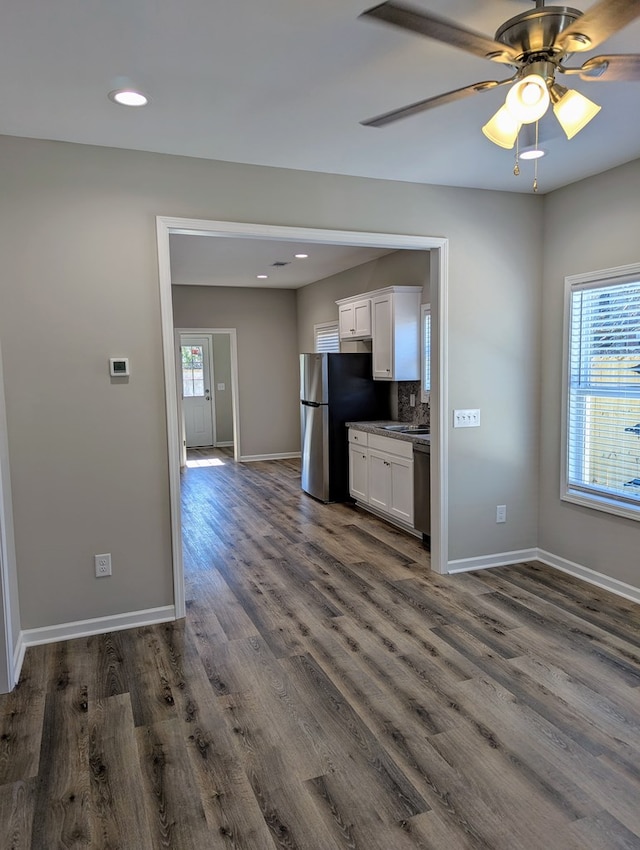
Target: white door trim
point(233, 347)
point(166, 225)
point(10, 655)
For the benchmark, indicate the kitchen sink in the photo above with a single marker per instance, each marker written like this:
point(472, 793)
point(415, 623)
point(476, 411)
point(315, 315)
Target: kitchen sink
point(406, 429)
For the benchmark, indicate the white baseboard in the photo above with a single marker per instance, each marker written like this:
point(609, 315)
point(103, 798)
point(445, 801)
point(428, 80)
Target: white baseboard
point(96, 626)
point(486, 562)
point(504, 559)
point(620, 588)
point(277, 456)
point(224, 444)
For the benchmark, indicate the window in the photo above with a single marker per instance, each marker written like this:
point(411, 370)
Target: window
point(326, 337)
point(602, 399)
point(425, 325)
point(192, 371)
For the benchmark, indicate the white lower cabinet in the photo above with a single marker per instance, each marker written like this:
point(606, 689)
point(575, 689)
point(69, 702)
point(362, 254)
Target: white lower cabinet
point(381, 474)
point(358, 473)
point(391, 485)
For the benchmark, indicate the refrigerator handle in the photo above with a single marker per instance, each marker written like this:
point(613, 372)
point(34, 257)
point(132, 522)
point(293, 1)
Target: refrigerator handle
point(311, 403)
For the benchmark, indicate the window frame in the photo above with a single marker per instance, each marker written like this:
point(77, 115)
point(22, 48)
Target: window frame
point(601, 502)
point(425, 394)
point(325, 326)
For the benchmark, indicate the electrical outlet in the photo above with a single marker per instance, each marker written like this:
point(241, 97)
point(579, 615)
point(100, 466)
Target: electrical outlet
point(501, 513)
point(102, 565)
point(469, 418)
point(412, 400)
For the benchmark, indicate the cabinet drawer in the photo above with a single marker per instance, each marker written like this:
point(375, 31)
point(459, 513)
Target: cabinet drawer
point(361, 438)
point(401, 448)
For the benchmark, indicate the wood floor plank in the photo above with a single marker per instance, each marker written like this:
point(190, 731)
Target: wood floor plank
point(146, 666)
point(21, 718)
point(62, 793)
point(387, 788)
point(170, 792)
point(16, 814)
point(118, 820)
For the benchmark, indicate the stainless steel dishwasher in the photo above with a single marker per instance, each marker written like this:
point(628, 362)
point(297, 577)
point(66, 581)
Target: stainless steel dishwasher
point(422, 489)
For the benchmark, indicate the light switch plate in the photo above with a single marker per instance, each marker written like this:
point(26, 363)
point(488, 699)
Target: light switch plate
point(469, 418)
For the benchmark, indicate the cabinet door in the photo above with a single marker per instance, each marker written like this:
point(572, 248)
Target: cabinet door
point(382, 336)
point(346, 324)
point(362, 318)
point(379, 480)
point(401, 489)
point(358, 473)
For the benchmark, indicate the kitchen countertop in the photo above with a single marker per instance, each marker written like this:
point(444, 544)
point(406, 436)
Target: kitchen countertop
point(378, 428)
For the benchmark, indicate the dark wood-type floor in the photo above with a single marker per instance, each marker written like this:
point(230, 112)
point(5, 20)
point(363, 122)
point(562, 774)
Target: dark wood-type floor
point(327, 691)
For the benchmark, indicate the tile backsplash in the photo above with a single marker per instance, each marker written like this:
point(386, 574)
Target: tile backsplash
point(418, 415)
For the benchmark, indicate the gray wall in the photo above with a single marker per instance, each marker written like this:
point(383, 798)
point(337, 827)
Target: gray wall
point(591, 225)
point(265, 321)
point(223, 398)
point(79, 283)
point(317, 301)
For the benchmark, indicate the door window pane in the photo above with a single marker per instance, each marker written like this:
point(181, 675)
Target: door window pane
point(192, 371)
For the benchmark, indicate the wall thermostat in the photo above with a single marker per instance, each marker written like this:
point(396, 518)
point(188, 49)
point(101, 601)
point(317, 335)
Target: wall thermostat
point(118, 366)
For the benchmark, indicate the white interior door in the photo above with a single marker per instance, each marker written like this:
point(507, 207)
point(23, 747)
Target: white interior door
point(195, 358)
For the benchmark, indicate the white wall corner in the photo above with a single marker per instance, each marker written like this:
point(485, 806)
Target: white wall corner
point(18, 657)
point(505, 559)
point(614, 585)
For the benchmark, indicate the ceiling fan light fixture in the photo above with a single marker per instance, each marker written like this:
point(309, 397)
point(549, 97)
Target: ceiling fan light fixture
point(528, 99)
point(572, 109)
point(503, 128)
point(534, 153)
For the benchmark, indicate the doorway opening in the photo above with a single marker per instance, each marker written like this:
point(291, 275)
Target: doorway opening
point(438, 248)
point(207, 389)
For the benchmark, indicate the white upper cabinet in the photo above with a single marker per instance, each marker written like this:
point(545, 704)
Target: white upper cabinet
point(390, 317)
point(354, 318)
point(395, 331)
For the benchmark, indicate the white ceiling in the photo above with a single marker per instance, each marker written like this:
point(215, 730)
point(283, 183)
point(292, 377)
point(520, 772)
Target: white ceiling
point(286, 83)
point(220, 261)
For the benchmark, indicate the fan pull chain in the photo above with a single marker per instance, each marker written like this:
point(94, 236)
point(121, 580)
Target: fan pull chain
point(516, 167)
point(535, 164)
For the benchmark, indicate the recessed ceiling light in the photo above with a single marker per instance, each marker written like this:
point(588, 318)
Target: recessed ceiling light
point(128, 97)
point(301, 256)
point(262, 276)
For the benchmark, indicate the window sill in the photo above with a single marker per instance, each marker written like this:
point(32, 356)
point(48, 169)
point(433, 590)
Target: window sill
point(602, 503)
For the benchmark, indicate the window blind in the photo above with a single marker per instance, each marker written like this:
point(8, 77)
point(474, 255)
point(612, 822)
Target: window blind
point(327, 337)
point(603, 439)
point(426, 349)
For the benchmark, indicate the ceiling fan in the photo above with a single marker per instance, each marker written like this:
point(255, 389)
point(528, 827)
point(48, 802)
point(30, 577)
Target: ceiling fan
point(535, 44)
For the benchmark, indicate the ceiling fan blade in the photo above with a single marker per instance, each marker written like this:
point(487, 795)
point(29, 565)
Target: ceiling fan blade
point(621, 67)
point(441, 29)
point(598, 23)
point(431, 102)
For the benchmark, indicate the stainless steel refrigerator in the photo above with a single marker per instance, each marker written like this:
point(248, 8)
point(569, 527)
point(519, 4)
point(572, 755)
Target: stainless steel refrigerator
point(335, 389)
